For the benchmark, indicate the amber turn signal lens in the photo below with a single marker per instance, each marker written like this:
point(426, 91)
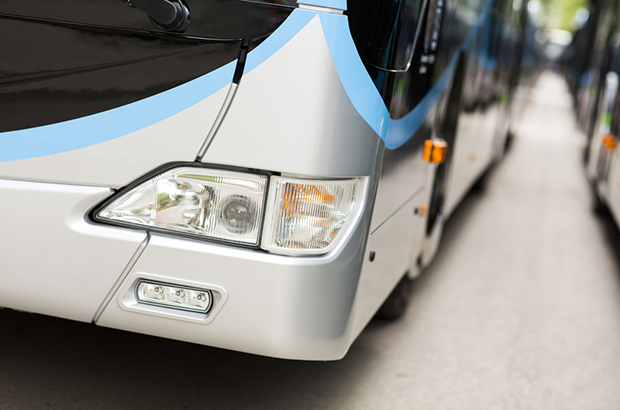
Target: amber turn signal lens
point(423, 210)
point(435, 151)
point(609, 142)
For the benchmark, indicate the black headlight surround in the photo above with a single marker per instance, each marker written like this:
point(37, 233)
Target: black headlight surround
point(92, 214)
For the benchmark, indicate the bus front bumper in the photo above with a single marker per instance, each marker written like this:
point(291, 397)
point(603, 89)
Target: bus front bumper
point(279, 306)
point(55, 261)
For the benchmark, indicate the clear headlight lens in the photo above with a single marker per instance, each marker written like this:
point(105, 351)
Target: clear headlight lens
point(210, 203)
point(306, 217)
point(303, 217)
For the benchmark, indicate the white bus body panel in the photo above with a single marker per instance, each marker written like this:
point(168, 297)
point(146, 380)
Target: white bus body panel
point(602, 125)
point(323, 136)
point(396, 244)
point(612, 186)
point(287, 307)
point(51, 260)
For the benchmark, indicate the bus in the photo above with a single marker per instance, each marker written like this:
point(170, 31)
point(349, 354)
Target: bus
point(602, 158)
point(590, 60)
point(263, 176)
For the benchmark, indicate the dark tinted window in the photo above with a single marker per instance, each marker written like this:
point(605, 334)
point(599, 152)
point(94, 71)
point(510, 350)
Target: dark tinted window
point(384, 31)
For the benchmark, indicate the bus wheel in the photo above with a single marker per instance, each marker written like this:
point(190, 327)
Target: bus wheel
point(396, 304)
point(599, 206)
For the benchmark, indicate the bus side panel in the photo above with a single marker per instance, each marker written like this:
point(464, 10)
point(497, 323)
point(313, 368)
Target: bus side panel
point(397, 233)
point(403, 176)
point(484, 116)
point(473, 152)
point(610, 188)
point(603, 124)
point(397, 227)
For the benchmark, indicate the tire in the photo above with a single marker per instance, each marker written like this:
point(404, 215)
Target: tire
point(599, 206)
point(481, 183)
point(396, 304)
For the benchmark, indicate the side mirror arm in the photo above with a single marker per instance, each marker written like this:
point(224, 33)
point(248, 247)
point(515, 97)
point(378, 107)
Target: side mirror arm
point(170, 15)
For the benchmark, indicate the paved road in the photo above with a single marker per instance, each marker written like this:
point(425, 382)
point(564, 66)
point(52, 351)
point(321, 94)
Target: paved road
point(521, 310)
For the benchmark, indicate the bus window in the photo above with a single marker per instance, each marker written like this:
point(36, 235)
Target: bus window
point(385, 33)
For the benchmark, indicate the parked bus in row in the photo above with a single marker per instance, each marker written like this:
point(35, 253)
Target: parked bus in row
point(255, 175)
point(593, 56)
point(602, 158)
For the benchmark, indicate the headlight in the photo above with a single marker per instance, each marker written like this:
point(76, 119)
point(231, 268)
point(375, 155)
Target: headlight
point(302, 217)
point(210, 203)
point(308, 216)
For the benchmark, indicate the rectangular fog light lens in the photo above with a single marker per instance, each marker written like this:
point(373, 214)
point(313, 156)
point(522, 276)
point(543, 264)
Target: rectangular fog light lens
point(160, 294)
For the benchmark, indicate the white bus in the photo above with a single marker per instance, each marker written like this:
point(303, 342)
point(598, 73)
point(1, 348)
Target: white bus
point(261, 176)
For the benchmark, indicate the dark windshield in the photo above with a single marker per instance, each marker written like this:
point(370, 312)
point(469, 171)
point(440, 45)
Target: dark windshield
point(385, 31)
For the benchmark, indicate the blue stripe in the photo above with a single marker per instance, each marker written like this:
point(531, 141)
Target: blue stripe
point(351, 71)
point(332, 4)
point(114, 123)
point(295, 22)
point(358, 85)
point(353, 75)
point(401, 130)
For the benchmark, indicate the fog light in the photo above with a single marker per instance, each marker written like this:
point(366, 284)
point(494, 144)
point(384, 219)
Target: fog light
point(160, 294)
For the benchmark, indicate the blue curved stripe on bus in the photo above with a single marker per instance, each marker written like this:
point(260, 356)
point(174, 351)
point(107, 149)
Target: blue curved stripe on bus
point(111, 124)
point(401, 130)
point(353, 75)
point(117, 122)
point(293, 24)
point(332, 4)
point(364, 95)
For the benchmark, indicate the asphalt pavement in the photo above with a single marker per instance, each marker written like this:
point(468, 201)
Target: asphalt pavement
point(520, 310)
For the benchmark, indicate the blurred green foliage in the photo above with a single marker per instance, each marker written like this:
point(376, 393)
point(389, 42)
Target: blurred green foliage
point(561, 13)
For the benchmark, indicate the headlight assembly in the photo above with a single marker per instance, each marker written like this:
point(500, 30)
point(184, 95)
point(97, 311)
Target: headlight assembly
point(297, 217)
point(203, 202)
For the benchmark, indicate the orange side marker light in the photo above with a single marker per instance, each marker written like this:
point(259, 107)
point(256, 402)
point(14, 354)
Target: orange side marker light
point(428, 150)
point(423, 210)
point(435, 151)
point(609, 142)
